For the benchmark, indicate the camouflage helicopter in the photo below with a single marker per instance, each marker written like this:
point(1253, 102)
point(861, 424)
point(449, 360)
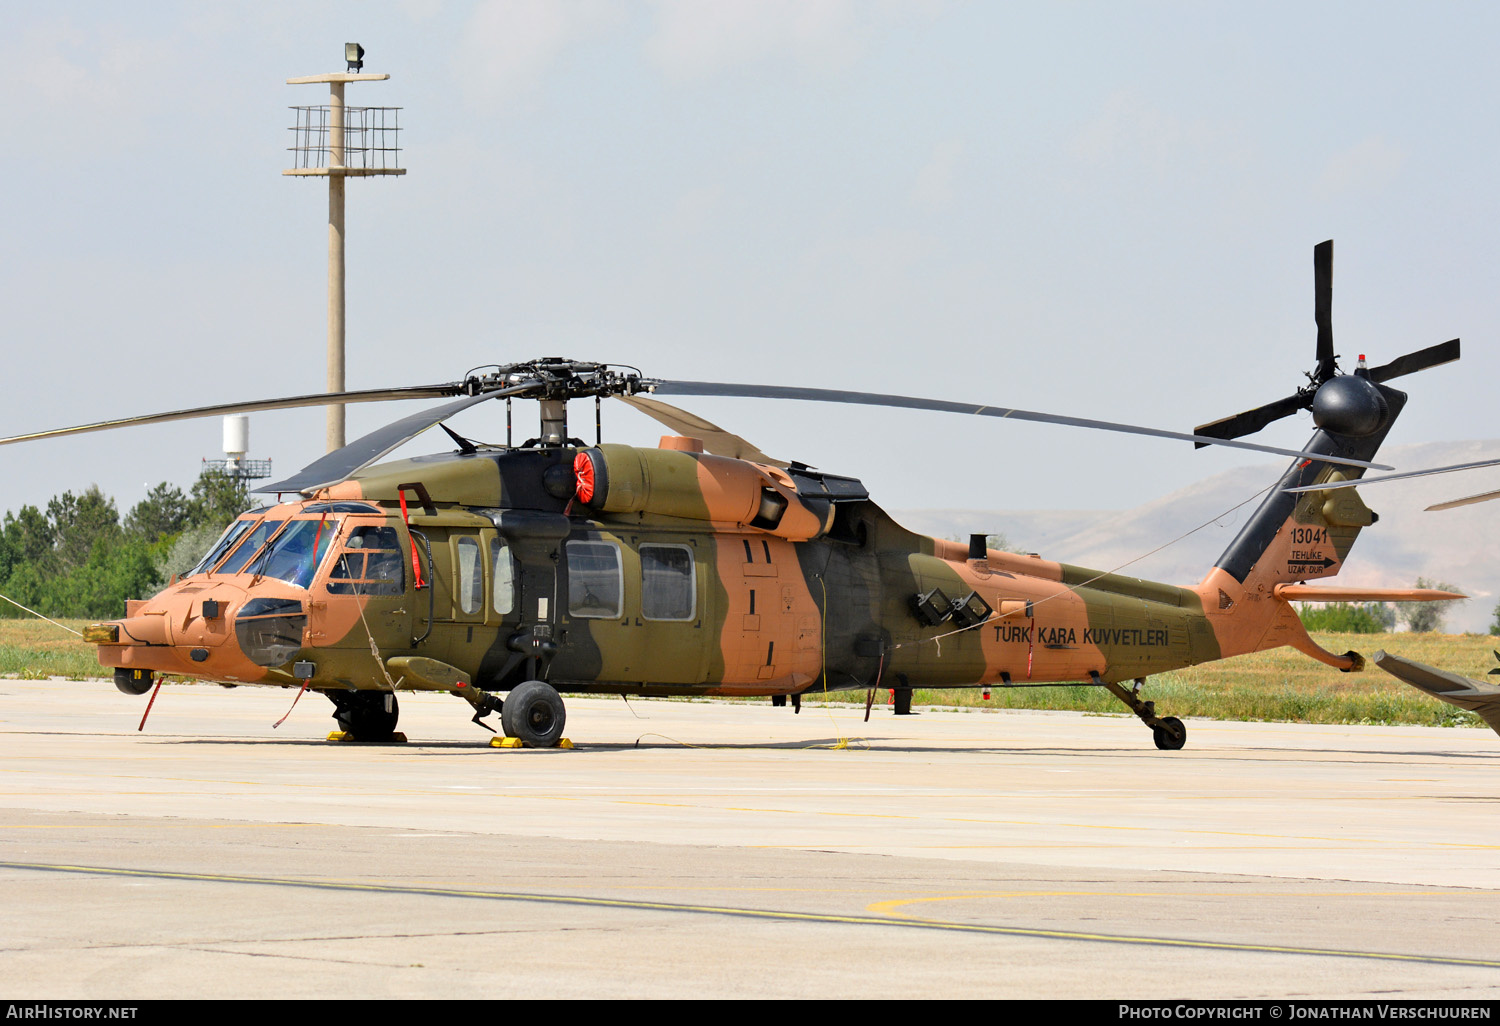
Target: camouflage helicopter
point(508, 575)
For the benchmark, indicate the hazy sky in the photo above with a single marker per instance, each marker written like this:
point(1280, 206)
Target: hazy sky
point(1105, 210)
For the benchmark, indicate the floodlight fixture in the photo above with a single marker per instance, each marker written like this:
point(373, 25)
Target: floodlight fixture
point(354, 56)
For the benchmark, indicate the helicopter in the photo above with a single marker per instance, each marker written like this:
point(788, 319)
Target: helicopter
point(508, 575)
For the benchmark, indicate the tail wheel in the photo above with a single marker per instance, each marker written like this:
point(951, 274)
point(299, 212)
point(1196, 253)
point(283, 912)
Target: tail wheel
point(1169, 733)
point(366, 715)
point(533, 713)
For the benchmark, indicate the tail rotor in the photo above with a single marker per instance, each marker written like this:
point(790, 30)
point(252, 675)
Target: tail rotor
point(1345, 404)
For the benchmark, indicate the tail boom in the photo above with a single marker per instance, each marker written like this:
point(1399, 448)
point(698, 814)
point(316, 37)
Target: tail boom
point(1291, 539)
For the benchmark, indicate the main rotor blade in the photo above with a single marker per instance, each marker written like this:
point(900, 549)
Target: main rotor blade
point(715, 439)
point(1323, 307)
point(1432, 356)
point(371, 395)
point(1468, 501)
point(339, 464)
point(1333, 485)
point(829, 395)
point(1251, 421)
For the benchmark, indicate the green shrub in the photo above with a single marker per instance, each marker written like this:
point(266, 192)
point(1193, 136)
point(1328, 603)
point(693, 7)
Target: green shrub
point(1345, 618)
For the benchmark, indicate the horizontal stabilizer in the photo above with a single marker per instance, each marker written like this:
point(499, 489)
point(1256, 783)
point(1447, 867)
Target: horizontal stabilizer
point(1474, 695)
point(1320, 593)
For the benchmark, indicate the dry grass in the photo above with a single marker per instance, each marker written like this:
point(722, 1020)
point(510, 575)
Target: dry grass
point(32, 649)
point(1278, 685)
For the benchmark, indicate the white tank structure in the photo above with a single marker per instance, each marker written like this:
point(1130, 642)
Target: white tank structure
point(236, 462)
point(236, 438)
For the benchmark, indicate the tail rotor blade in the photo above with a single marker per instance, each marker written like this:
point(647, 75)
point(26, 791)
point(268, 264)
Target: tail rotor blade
point(1432, 356)
point(1251, 421)
point(1323, 307)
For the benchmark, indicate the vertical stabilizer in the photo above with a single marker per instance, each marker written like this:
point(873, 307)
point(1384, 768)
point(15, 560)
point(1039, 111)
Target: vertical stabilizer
point(1292, 538)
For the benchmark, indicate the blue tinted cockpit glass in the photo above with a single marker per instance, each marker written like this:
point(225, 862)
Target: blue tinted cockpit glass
point(226, 542)
point(249, 547)
point(290, 555)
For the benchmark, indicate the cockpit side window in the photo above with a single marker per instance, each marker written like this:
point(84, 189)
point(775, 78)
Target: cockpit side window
point(371, 563)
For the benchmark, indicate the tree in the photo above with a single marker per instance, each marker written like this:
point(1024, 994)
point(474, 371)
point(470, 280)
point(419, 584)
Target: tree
point(217, 498)
point(1425, 617)
point(60, 540)
point(164, 511)
point(191, 546)
point(1495, 627)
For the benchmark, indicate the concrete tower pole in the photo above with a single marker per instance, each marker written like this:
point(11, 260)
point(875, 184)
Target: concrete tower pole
point(337, 171)
point(335, 414)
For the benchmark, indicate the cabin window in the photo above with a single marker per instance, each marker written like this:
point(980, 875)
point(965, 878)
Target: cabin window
point(371, 564)
point(470, 593)
point(595, 581)
point(668, 590)
point(290, 556)
point(504, 576)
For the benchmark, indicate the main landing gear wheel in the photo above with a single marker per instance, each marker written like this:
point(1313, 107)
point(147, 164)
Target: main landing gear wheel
point(1169, 733)
point(366, 715)
point(533, 713)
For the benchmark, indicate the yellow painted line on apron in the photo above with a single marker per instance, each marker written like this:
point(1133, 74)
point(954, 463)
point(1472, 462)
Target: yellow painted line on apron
point(753, 913)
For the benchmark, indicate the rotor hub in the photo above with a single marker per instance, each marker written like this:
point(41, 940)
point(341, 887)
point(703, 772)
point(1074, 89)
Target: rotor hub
point(1349, 405)
point(555, 379)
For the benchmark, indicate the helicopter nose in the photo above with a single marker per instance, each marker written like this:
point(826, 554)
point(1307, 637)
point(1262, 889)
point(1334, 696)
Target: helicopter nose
point(226, 631)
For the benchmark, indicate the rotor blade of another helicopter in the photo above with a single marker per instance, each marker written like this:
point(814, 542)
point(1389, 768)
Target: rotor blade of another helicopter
point(829, 395)
point(1334, 485)
point(1250, 421)
point(339, 464)
point(371, 395)
point(1468, 501)
point(714, 438)
point(1432, 356)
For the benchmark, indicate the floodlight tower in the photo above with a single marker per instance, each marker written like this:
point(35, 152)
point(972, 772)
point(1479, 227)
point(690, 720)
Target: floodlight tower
point(338, 142)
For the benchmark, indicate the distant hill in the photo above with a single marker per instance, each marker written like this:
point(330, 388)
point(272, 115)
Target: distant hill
point(1459, 546)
